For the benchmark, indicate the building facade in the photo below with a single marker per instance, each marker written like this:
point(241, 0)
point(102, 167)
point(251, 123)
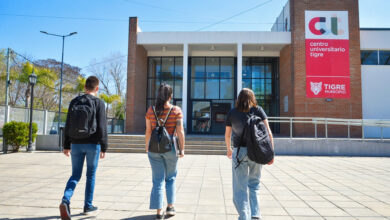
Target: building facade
point(293, 73)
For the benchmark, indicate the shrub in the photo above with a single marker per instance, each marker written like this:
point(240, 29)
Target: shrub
point(16, 134)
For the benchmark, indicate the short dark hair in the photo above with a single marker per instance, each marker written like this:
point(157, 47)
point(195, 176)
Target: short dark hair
point(91, 83)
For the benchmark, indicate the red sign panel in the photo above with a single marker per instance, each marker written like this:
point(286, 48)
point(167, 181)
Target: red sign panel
point(327, 54)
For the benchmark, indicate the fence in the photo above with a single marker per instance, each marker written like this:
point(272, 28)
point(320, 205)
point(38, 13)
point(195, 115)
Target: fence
point(47, 121)
point(368, 128)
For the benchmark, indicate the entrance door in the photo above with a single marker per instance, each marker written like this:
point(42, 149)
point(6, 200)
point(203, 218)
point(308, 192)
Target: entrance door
point(219, 112)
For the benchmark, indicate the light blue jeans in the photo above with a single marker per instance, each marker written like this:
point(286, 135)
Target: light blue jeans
point(246, 176)
point(164, 171)
point(78, 154)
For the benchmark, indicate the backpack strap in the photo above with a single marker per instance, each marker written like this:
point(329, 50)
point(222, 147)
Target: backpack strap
point(241, 141)
point(166, 118)
point(155, 115)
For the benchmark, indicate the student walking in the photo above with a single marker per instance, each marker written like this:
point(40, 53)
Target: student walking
point(85, 138)
point(164, 124)
point(246, 173)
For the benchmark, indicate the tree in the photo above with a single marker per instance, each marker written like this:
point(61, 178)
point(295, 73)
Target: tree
point(109, 99)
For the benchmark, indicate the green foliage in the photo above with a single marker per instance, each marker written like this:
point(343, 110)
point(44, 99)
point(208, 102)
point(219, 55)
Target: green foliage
point(109, 99)
point(16, 134)
point(119, 111)
point(78, 88)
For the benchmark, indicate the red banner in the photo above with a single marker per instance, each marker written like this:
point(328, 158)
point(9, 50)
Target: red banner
point(327, 55)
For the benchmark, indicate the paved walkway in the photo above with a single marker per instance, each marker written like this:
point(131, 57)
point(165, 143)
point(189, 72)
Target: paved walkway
point(31, 186)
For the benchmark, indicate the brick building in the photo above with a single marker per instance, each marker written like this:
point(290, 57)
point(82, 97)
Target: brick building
point(208, 69)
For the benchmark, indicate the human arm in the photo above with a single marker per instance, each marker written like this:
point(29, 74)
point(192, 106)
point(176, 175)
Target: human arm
point(228, 136)
point(180, 135)
point(270, 136)
point(148, 133)
point(67, 142)
point(101, 120)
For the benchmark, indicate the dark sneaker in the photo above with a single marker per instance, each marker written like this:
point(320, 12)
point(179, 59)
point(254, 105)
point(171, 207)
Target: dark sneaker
point(171, 211)
point(89, 210)
point(159, 217)
point(257, 218)
point(65, 211)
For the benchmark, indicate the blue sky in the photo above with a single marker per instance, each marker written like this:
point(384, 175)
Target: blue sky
point(102, 25)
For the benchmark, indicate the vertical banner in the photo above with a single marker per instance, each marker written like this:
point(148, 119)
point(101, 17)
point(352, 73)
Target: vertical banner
point(327, 54)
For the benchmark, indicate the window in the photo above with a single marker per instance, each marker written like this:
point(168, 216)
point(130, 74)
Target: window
point(384, 57)
point(369, 57)
point(212, 77)
point(167, 70)
point(259, 74)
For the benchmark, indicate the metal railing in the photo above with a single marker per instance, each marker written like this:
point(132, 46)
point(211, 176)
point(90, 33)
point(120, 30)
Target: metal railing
point(363, 123)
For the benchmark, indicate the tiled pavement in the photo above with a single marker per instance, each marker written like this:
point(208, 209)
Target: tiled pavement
point(31, 186)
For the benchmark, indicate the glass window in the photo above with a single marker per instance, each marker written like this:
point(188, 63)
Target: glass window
point(247, 83)
point(178, 68)
point(167, 68)
point(154, 66)
point(246, 69)
point(258, 86)
point(212, 67)
point(212, 89)
point(257, 71)
point(369, 57)
point(268, 70)
point(227, 86)
point(153, 85)
point(197, 88)
point(198, 67)
point(178, 91)
point(227, 67)
point(200, 109)
point(384, 57)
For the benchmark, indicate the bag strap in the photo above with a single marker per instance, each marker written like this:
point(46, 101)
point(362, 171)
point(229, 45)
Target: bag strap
point(166, 117)
point(155, 115)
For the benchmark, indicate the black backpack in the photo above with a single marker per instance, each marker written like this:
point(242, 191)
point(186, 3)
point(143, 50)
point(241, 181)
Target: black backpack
point(160, 140)
point(82, 118)
point(256, 138)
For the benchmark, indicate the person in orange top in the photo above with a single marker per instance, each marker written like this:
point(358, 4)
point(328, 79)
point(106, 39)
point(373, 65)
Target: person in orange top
point(164, 165)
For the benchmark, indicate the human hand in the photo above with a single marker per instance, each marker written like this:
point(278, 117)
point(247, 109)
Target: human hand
point(271, 162)
point(66, 152)
point(181, 155)
point(229, 153)
point(102, 155)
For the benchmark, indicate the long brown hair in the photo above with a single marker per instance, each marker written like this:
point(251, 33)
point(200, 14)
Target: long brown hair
point(164, 94)
point(246, 100)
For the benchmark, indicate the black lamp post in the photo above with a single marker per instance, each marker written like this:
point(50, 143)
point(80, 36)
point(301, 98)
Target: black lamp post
point(62, 69)
point(33, 80)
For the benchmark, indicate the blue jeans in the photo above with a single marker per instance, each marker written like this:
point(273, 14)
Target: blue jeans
point(246, 175)
point(78, 154)
point(164, 171)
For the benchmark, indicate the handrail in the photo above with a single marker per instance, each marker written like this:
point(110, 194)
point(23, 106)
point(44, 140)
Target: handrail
point(381, 123)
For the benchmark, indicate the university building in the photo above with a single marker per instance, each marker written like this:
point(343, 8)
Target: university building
point(315, 62)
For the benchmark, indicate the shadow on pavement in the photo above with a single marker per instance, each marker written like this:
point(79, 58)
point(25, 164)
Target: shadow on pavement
point(48, 217)
point(144, 217)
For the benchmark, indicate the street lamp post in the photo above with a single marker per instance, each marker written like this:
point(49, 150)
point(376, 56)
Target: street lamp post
point(62, 69)
point(33, 80)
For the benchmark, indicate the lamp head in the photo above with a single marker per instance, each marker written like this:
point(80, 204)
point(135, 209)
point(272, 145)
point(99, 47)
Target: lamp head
point(32, 78)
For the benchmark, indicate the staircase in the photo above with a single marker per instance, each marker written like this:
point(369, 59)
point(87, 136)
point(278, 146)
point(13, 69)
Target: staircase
point(207, 145)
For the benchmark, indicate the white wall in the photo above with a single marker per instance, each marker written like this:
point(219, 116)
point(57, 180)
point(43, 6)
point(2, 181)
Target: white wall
point(375, 39)
point(376, 96)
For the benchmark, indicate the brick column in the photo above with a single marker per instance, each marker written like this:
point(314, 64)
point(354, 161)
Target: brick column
point(318, 107)
point(136, 82)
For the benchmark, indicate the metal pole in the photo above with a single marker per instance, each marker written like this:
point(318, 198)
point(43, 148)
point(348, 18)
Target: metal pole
point(381, 133)
point(362, 130)
point(59, 105)
point(315, 128)
point(349, 130)
point(326, 128)
point(29, 149)
point(5, 146)
point(291, 128)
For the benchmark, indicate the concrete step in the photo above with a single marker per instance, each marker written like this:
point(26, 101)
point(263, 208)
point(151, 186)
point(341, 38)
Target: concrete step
point(139, 150)
point(188, 147)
